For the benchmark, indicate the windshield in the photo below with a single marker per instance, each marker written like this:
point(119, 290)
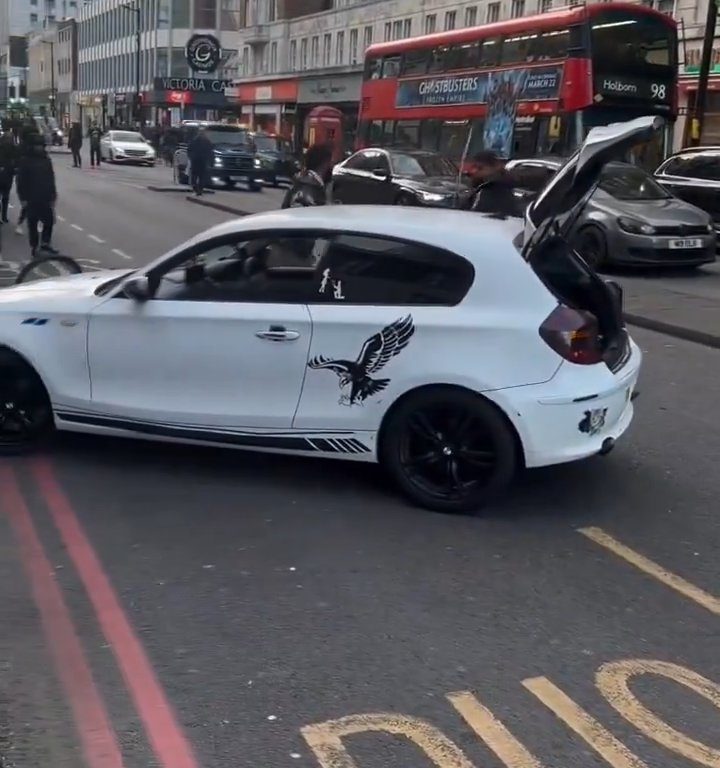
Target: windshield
point(127, 136)
point(695, 165)
point(422, 165)
point(632, 44)
point(218, 136)
point(630, 183)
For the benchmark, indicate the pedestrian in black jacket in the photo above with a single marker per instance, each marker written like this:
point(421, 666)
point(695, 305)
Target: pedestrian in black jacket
point(95, 134)
point(75, 142)
point(310, 186)
point(37, 192)
point(201, 155)
point(8, 166)
point(493, 186)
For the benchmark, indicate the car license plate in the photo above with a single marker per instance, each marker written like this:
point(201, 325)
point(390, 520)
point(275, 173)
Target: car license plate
point(692, 243)
point(237, 176)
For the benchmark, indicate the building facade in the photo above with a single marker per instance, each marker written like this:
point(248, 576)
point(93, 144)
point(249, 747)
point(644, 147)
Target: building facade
point(107, 59)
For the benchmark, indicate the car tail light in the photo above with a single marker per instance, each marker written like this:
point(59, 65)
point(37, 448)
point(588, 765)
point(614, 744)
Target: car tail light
point(574, 335)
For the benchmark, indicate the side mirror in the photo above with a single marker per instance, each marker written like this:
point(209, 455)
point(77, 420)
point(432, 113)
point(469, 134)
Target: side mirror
point(381, 173)
point(137, 288)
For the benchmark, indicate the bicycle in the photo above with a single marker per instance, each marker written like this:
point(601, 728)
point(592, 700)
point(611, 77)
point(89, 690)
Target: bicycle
point(48, 266)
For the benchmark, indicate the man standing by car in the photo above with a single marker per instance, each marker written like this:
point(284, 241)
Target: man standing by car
point(310, 186)
point(95, 134)
point(201, 155)
point(493, 186)
point(75, 140)
point(8, 162)
point(37, 192)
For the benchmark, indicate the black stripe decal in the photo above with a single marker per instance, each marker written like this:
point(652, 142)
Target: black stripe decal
point(279, 442)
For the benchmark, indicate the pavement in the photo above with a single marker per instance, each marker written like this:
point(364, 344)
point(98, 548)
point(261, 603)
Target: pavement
point(197, 608)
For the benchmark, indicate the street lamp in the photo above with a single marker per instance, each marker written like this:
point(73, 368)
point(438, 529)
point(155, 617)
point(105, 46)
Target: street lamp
point(134, 7)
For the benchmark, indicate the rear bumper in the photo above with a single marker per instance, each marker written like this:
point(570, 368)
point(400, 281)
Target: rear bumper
point(575, 414)
point(652, 251)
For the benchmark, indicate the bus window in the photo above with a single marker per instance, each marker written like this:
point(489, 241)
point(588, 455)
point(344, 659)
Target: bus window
point(373, 69)
point(407, 133)
point(633, 44)
point(430, 134)
point(388, 133)
point(518, 49)
point(490, 52)
point(375, 133)
point(437, 60)
point(415, 62)
point(552, 45)
point(454, 138)
point(463, 56)
point(391, 66)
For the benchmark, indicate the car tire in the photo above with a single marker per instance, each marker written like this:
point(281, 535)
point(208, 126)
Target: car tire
point(591, 244)
point(448, 449)
point(405, 199)
point(26, 417)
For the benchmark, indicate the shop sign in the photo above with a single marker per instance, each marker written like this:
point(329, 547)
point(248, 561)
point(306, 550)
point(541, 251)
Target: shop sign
point(203, 53)
point(326, 90)
point(191, 84)
point(529, 84)
point(263, 93)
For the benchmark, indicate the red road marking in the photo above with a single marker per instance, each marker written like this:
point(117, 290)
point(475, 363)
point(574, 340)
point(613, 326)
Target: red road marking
point(166, 737)
point(98, 739)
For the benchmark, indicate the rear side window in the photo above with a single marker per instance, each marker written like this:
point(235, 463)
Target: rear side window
point(695, 166)
point(379, 271)
point(532, 176)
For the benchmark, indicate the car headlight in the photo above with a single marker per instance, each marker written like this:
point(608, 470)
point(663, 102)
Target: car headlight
point(635, 226)
point(118, 151)
point(710, 228)
point(258, 162)
point(218, 162)
point(432, 197)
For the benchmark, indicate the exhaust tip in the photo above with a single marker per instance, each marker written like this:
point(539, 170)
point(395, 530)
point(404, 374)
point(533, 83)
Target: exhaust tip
point(607, 446)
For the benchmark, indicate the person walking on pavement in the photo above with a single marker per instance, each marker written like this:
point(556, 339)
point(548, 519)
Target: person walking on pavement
point(75, 141)
point(29, 137)
point(493, 186)
point(201, 156)
point(8, 164)
point(95, 134)
point(36, 189)
point(310, 186)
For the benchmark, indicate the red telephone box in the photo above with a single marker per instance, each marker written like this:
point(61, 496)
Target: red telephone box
point(324, 125)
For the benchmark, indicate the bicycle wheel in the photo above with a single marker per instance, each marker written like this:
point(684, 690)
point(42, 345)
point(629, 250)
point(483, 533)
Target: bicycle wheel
point(48, 266)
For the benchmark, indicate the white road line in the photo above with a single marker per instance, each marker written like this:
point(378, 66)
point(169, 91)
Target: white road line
point(76, 226)
point(121, 254)
point(96, 239)
point(61, 218)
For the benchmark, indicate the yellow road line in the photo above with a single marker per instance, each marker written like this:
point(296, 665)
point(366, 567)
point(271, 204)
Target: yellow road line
point(642, 563)
point(587, 727)
point(510, 751)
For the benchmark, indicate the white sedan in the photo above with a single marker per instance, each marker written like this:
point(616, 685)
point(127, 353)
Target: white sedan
point(126, 147)
point(426, 343)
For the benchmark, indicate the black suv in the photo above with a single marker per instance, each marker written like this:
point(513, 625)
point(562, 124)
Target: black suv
point(235, 158)
point(277, 161)
point(693, 175)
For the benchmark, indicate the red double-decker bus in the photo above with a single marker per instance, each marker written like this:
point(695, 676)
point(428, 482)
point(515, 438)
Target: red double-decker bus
point(528, 86)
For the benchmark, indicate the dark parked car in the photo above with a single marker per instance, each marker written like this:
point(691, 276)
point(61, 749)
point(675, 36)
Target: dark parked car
point(630, 219)
point(399, 177)
point(694, 175)
point(277, 160)
point(234, 151)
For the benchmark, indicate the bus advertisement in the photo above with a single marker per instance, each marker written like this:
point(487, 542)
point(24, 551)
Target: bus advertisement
point(524, 87)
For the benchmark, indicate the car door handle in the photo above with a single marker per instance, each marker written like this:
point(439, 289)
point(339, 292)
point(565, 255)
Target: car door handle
point(275, 333)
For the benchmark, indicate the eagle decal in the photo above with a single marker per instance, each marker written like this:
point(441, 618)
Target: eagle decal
point(354, 375)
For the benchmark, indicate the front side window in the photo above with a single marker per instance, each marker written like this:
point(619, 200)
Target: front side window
point(695, 165)
point(630, 183)
point(421, 165)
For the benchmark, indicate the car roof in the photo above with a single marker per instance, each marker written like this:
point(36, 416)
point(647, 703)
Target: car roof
point(403, 151)
point(555, 162)
point(457, 231)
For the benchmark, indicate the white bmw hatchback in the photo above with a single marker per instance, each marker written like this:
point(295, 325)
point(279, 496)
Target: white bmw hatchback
point(424, 341)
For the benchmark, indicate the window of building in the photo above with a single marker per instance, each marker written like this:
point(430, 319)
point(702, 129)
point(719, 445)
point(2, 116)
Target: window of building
point(161, 64)
point(493, 13)
point(230, 17)
point(388, 32)
point(367, 38)
point(315, 52)
point(407, 28)
point(304, 53)
point(178, 63)
point(340, 49)
point(471, 16)
point(273, 57)
point(181, 14)
point(327, 49)
point(517, 9)
point(430, 23)
point(246, 13)
point(450, 20)
point(397, 30)
point(353, 46)
point(33, 19)
point(246, 61)
point(205, 14)
point(545, 6)
point(292, 56)
point(272, 10)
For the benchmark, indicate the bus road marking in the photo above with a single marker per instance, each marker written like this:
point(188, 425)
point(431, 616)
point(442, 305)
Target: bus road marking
point(644, 564)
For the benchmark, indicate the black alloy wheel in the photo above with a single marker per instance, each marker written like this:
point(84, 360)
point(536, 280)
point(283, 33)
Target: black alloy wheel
point(48, 266)
point(25, 413)
point(449, 450)
point(590, 243)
